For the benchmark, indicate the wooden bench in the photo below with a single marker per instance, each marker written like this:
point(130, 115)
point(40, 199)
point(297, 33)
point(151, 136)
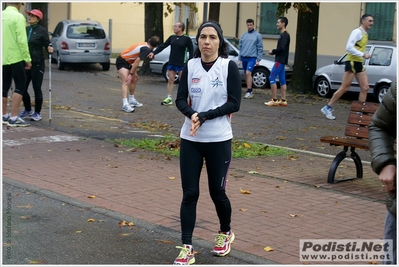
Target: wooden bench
point(356, 136)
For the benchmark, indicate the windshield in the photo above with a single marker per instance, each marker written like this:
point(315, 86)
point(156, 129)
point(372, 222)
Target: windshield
point(234, 41)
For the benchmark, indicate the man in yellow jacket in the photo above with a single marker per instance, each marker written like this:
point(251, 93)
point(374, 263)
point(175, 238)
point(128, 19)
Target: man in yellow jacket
point(16, 59)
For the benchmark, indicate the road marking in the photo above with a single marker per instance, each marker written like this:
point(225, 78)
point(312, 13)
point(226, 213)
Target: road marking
point(42, 140)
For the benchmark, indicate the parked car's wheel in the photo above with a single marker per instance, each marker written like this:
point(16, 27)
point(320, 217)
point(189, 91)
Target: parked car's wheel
point(60, 64)
point(165, 74)
point(260, 78)
point(323, 87)
point(381, 91)
point(106, 66)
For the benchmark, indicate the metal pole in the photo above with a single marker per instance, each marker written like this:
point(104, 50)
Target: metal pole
point(49, 87)
point(110, 31)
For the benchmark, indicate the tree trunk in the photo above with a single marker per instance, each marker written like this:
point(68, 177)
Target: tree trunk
point(153, 26)
point(305, 61)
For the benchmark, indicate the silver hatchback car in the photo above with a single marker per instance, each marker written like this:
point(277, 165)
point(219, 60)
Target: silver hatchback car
point(381, 71)
point(260, 74)
point(80, 41)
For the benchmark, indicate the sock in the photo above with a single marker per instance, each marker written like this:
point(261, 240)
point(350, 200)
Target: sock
point(131, 97)
point(328, 106)
point(6, 116)
point(125, 102)
point(170, 96)
point(275, 99)
point(249, 90)
point(13, 118)
point(283, 100)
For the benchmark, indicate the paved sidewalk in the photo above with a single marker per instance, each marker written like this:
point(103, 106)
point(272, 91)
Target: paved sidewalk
point(289, 198)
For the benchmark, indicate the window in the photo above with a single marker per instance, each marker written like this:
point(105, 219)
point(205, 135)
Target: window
point(383, 14)
point(268, 18)
point(381, 56)
point(184, 13)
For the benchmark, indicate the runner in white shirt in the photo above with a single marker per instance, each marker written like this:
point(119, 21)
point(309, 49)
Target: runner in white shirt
point(209, 92)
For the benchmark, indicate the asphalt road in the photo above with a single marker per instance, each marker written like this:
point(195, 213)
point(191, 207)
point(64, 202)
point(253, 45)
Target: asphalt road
point(42, 227)
point(87, 101)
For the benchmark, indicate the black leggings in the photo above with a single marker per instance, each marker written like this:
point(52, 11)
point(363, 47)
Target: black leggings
point(217, 159)
point(14, 72)
point(35, 74)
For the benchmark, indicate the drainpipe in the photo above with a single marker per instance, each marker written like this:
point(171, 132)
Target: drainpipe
point(205, 14)
point(237, 19)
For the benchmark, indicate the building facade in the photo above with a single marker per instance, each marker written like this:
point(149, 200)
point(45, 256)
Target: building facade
point(124, 21)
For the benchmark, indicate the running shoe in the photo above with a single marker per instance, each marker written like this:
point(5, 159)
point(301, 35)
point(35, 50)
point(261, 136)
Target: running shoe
point(283, 103)
point(186, 255)
point(36, 117)
point(127, 108)
point(135, 103)
point(167, 101)
point(26, 113)
point(223, 243)
point(18, 122)
point(5, 119)
point(273, 103)
point(328, 112)
point(248, 95)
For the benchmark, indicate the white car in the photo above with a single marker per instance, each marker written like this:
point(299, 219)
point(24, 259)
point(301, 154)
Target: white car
point(80, 41)
point(260, 75)
point(380, 68)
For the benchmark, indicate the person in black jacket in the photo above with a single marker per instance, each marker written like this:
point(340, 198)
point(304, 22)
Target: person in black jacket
point(382, 135)
point(179, 45)
point(37, 40)
point(281, 59)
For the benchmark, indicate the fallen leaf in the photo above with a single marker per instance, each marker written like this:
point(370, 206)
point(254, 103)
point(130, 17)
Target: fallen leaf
point(125, 234)
point(268, 248)
point(241, 209)
point(247, 145)
point(317, 186)
point(26, 207)
point(293, 215)
point(372, 262)
point(78, 231)
point(253, 172)
point(244, 191)
point(171, 178)
point(91, 197)
point(91, 220)
point(281, 138)
point(122, 223)
point(24, 217)
point(277, 186)
point(130, 224)
point(38, 262)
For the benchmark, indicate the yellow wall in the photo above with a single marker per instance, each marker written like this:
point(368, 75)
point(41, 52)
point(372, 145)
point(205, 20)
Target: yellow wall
point(127, 19)
point(336, 22)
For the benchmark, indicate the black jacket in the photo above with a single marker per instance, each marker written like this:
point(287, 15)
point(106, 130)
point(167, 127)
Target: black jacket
point(382, 132)
point(37, 40)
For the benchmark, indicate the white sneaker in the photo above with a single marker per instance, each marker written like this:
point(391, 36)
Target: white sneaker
point(248, 95)
point(328, 112)
point(127, 108)
point(135, 103)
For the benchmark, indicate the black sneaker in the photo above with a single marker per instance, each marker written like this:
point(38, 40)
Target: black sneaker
point(18, 122)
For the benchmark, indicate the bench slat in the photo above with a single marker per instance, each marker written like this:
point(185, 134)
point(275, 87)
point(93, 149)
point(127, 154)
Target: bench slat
point(346, 141)
point(357, 131)
point(359, 119)
point(365, 107)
